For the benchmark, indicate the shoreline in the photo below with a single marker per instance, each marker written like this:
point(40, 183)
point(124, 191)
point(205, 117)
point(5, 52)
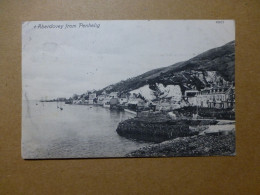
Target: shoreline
point(198, 145)
point(177, 137)
point(181, 137)
point(106, 107)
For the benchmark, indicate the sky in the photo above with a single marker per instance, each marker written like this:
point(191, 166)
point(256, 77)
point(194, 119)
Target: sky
point(60, 62)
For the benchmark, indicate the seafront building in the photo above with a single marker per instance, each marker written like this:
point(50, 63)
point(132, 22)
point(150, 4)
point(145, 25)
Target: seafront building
point(113, 95)
point(100, 99)
point(92, 98)
point(218, 96)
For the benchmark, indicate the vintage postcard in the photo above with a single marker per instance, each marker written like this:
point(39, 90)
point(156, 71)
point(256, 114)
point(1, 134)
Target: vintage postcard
point(132, 88)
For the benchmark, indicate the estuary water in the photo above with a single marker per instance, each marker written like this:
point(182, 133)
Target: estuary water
point(77, 131)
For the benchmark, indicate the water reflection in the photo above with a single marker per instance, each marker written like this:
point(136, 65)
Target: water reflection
point(76, 131)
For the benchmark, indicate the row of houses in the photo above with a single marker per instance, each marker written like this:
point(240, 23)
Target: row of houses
point(220, 97)
point(111, 100)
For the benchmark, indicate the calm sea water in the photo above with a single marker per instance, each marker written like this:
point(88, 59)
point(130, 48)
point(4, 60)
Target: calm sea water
point(75, 132)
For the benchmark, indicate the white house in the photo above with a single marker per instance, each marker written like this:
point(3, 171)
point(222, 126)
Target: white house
point(113, 95)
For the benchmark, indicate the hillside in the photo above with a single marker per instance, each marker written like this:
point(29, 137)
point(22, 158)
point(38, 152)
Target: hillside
point(212, 66)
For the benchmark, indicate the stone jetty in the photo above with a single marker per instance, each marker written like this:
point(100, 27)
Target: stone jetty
point(159, 129)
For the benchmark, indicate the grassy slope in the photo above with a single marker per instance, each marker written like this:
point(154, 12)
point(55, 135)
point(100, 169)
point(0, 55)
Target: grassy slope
point(221, 59)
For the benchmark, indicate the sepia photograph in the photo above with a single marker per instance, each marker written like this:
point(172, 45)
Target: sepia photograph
point(128, 88)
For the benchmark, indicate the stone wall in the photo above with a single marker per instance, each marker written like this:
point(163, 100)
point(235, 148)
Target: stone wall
point(153, 131)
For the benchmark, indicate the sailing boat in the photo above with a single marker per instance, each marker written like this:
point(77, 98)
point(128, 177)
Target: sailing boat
point(61, 106)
